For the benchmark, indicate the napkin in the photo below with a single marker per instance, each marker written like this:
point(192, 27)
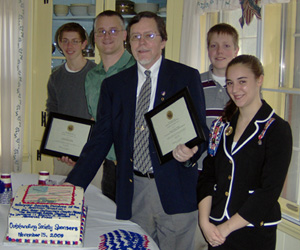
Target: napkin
point(122, 239)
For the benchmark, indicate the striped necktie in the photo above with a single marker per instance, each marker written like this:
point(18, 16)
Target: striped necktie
point(141, 155)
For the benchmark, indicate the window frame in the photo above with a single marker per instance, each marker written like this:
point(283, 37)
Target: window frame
point(280, 90)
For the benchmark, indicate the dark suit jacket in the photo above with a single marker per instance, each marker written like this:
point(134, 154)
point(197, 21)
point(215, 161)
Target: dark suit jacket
point(115, 124)
point(249, 179)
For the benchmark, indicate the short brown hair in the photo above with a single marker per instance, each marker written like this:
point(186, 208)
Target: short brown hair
point(67, 27)
point(161, 26)
point(110, 13)
point(223, 28)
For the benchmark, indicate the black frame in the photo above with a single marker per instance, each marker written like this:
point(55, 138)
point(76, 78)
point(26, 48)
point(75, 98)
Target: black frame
point(184, 93)
point(53, 115)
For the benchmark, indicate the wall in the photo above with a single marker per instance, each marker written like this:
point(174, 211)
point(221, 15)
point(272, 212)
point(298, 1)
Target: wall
point(271, 43)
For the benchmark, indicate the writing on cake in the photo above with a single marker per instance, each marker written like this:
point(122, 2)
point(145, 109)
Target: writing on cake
point(47, 214)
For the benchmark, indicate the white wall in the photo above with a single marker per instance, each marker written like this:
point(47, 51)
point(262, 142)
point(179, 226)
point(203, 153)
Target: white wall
point(286, 242)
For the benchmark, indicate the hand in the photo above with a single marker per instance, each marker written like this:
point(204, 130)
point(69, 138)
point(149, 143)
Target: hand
point(212, 234)
point(182, 153)
point(234, 223)
point(67, 160)
point(223, 229)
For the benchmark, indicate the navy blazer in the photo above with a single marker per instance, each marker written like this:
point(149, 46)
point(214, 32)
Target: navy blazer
point(176, 184)
point(248, 179)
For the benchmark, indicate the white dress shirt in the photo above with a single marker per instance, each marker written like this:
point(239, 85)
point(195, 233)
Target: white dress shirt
point(142, 78)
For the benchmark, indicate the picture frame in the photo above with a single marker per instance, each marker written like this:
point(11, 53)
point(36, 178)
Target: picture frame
point(174, 122)
point(65, 135)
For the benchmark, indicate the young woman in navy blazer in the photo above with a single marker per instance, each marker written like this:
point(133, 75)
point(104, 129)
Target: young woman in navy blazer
point(248, 157)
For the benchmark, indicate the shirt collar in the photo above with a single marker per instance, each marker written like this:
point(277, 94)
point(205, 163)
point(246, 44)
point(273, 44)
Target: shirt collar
point(154, 69)
point(124, 59)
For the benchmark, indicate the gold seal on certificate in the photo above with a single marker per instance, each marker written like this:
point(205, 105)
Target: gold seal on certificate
point(169, 114)
point(65, 135)
point(70, 128)
point(174, 122)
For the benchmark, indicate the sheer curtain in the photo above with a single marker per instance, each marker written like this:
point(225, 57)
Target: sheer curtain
point(190, 35)
point(13, 24)
point(190, 47)
point(218, 5)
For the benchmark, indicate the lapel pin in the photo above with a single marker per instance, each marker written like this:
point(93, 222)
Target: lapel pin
point(228, 131)
point(163, 93)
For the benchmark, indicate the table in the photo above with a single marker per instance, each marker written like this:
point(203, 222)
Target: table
point(101, 217)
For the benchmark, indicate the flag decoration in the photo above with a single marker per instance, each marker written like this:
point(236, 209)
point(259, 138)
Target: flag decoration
point(249, 9)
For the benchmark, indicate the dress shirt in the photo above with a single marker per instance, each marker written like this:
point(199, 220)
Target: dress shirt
point(142, 78)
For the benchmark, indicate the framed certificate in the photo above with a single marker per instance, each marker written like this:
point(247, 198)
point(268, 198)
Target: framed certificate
point(174, 122)
point(65, 135)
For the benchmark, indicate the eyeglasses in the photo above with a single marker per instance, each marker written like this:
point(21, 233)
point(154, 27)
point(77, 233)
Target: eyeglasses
point(73, 42)
point(111, 32)
point(149, 36)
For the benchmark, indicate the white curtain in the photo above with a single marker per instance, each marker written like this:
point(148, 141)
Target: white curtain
point(190, 47)
point(190, 35)
point(217, 5)
point(13, 26)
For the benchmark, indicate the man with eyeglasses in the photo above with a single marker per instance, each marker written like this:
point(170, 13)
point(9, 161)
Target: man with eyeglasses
point(66, 94)
point(161, 198)
point(109, 37)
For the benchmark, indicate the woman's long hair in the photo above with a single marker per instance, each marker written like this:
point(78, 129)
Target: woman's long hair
point(257, 69)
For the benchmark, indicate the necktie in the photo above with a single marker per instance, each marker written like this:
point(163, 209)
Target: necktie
point(141, 155)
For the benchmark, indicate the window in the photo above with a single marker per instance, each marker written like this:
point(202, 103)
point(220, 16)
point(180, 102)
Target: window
point(289, 85)
point(276, 41)
point(250, 37)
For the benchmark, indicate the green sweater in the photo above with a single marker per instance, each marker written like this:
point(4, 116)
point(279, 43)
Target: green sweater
point(93, 83)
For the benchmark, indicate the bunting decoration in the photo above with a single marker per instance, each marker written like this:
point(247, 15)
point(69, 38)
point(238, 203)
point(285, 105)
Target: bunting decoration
point(249, 9)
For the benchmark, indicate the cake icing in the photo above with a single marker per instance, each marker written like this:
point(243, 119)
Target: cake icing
point(47, 214)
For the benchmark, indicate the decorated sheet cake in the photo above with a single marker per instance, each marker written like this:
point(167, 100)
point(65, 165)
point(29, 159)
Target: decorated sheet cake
point(48, 215)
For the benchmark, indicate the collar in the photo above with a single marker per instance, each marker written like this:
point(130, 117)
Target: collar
point(154, 69)
point(74, 71)
point(261, 116)
point(210, 69)
point(122, 62)
point(216, 79)
point(255, 127)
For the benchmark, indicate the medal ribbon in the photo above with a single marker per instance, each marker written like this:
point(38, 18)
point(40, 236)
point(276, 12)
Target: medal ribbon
point(262, 134)
point(217, 128)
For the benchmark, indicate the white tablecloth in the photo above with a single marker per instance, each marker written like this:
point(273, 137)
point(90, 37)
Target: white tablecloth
point(101, 217)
